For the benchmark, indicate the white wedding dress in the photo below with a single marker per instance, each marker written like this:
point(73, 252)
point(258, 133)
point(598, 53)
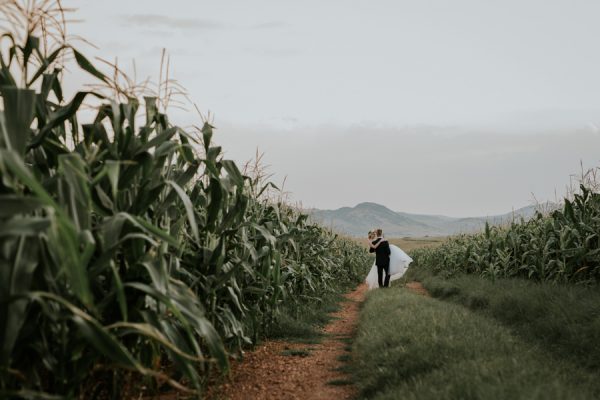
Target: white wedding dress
point(399, 262)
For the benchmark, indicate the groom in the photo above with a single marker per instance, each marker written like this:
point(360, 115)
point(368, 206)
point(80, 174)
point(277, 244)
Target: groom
point(381, 248)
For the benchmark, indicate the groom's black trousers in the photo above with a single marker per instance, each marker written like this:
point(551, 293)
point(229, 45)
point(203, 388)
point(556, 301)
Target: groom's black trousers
point(380, 269)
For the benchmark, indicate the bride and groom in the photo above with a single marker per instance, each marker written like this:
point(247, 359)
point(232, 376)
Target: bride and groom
point(389, 259)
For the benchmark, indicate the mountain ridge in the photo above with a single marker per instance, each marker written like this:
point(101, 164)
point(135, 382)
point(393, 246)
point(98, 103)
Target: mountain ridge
point(358, 220)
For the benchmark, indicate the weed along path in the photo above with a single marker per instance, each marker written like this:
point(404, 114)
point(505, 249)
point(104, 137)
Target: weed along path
point(286, 370)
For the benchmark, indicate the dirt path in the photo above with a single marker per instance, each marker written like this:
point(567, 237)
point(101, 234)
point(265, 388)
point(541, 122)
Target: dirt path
point(270, 372)
point(418, 288)
point(285, 370)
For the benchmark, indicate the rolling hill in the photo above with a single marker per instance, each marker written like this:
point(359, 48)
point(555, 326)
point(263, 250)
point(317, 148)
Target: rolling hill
point(358, 220)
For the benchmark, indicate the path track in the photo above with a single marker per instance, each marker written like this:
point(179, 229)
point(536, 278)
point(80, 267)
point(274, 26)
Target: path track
point(269, 372)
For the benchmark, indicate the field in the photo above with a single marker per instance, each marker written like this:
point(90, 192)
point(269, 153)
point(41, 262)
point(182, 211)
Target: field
point(135, 258)
point(408, 243)
point(562, 246)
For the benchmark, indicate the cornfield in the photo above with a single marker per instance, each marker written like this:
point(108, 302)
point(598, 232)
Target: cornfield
point(563, 246)
point(131, 247)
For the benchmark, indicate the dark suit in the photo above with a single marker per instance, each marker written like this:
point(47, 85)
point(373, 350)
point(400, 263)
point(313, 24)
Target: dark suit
point(382, 260)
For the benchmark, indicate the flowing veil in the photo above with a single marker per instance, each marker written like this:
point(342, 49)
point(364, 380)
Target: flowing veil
point(399, 262)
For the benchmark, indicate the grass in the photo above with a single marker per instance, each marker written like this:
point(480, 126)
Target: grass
point(412, 347)
point(344, 339)
point(296, 352)
point(564, 319)
point(409, 243)
point(301, 323)
point(340, 382)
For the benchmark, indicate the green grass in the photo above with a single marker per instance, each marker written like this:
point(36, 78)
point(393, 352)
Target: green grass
point(340, 382)
point(412, 347)
point(296, 352)
point(564, 319)
point(344, 357)
point(346, 369)
point(301, 322)
point(410, 243)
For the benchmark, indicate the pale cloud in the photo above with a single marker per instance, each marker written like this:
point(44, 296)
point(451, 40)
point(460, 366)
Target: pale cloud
point(163, 21)
point(270, 25)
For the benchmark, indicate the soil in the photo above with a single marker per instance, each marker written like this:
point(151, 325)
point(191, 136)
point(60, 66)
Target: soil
point(286, 370)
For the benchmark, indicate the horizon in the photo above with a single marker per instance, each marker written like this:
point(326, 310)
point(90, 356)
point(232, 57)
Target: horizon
point(428, 215)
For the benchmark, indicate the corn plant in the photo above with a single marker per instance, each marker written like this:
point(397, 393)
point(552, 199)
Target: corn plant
point(129, 247)
point(563, 246)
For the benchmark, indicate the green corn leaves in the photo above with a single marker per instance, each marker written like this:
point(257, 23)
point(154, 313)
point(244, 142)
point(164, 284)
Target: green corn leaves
point(15, 204)
point(563, 246)
point(16, 119)
point(121, 249)
point(187, 204)
point(17, 266)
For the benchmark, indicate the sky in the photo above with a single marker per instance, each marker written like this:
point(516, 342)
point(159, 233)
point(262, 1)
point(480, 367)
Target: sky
point(461, 108)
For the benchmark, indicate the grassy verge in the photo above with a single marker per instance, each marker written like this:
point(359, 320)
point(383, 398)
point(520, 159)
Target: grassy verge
point(412, 347)
point(301, 323)
point(564, 319)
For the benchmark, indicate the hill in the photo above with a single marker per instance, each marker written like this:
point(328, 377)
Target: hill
point(358, 220)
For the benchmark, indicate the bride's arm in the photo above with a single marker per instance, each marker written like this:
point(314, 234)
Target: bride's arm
point(374, 246)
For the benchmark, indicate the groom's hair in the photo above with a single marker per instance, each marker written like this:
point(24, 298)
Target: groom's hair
point(379, 232)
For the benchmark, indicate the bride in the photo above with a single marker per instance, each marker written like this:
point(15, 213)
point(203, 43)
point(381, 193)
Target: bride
point(399, 262)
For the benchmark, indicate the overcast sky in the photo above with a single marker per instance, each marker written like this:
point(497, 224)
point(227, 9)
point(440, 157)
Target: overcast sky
point(462, 107)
